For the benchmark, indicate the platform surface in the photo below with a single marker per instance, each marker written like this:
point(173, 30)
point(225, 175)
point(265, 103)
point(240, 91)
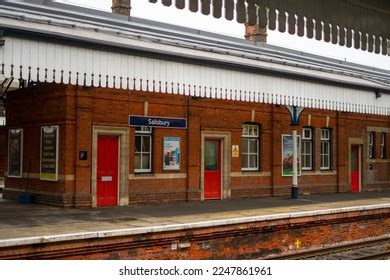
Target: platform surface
point(34, 223)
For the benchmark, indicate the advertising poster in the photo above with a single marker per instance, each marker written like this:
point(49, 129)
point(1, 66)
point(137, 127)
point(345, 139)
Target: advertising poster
point(49, 153)
point(287, 151)
point(15, 155)
point(171, 153)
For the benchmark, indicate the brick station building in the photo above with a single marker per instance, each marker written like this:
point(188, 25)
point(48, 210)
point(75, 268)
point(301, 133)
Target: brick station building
point(114, 110)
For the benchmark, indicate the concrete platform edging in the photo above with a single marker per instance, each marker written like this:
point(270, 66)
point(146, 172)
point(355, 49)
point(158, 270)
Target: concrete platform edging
point(183, 226)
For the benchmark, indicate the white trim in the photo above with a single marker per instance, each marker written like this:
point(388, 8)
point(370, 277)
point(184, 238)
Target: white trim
point(304, 135)
point(99, 234)
point(326, 140)
point(371, 145)
point(310, 140)
point(123, 157)
point(225, 138)
point(319, 173)
point(356, 142)
point(250, 174)
point(248, 153)
point(157, 176)
point(383, 146)
point(67, 64)
point(144, 134)
point(326, 137)
point(61, 177)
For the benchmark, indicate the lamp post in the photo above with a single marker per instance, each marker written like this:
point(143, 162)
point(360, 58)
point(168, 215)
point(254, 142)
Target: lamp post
point(295, 112)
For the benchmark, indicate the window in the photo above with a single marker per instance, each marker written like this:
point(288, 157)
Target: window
point(250, 147)
point(371, 145)
point(143, 149)
point(307, 149)
point(325, 149)
point(383, 145)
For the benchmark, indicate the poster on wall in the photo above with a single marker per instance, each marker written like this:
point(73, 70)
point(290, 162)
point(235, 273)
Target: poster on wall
point(171, 153)
point(287, 151)
point(15, 153)
point(49, 153)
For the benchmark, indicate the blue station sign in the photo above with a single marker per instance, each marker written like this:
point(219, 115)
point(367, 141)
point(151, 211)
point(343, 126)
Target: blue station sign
point(157, 122)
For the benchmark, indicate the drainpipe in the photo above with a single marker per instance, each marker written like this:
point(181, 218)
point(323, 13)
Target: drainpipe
point(188, 149)
point(337, 151)
point(272, 150)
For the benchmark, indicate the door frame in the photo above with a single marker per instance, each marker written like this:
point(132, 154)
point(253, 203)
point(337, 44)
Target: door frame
point(220, 165)
point(123, 161)
point(225, 142)
point(355, 142)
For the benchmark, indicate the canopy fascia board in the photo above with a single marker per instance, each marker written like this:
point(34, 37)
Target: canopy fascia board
point(219, 57)
point(353, 23)
point(43, 61)
point(222, 74)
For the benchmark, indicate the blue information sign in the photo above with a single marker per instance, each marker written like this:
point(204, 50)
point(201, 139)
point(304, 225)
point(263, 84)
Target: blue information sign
point(157, 122)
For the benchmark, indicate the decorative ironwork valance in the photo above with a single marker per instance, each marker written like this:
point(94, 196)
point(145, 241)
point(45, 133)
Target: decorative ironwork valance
point(362, 24)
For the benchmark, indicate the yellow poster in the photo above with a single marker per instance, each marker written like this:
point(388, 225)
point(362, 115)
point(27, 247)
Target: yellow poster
point(235, 151)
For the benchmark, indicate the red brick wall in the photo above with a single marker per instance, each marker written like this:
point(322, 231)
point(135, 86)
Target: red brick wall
point(31, 108)
point(76, 110)
point(256, 240)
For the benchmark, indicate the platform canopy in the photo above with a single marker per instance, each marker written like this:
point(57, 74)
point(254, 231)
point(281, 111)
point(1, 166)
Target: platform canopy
point(65, 44)
point(363, 24)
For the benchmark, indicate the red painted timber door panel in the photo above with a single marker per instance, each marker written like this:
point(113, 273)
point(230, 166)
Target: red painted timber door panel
point(107, 170)
point(212, 169)
point(355, 168)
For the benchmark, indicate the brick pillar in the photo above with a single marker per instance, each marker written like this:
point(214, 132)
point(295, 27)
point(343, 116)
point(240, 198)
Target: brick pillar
point(84, 105)
point(194, 146)
point(122, 7)
point(341, 147)
point(255, 33)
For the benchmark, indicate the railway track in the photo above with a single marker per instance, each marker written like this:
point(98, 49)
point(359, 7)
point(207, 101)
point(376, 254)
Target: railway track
point(378, 249)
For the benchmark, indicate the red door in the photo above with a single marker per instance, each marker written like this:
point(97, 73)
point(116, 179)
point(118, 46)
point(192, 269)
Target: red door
point(212, 169)
point(107, 170)
point(355, 168)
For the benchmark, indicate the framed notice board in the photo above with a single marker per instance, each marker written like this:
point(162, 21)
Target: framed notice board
point(171, 153)
point(15, 153)
point(287, 158)
point(49, 153)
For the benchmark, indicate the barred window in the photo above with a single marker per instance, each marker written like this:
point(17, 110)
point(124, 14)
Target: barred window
point(371, 145)
point(143, 150)
point(307, 149)
point(325, 149)
point(250, 147)
point(383, 145)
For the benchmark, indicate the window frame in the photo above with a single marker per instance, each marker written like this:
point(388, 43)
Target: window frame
point(383, 149)
point(253, 137)
point(371, 145)
point(144, 131)
point(311, 141)
point(326, 140)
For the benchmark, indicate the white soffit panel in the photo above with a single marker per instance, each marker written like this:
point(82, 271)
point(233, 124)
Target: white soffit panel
point(40, 60)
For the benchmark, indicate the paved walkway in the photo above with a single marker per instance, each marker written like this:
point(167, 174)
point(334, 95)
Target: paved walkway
point(21, 223)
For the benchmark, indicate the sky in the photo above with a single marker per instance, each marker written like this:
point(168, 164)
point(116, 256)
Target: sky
point(158, 12)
